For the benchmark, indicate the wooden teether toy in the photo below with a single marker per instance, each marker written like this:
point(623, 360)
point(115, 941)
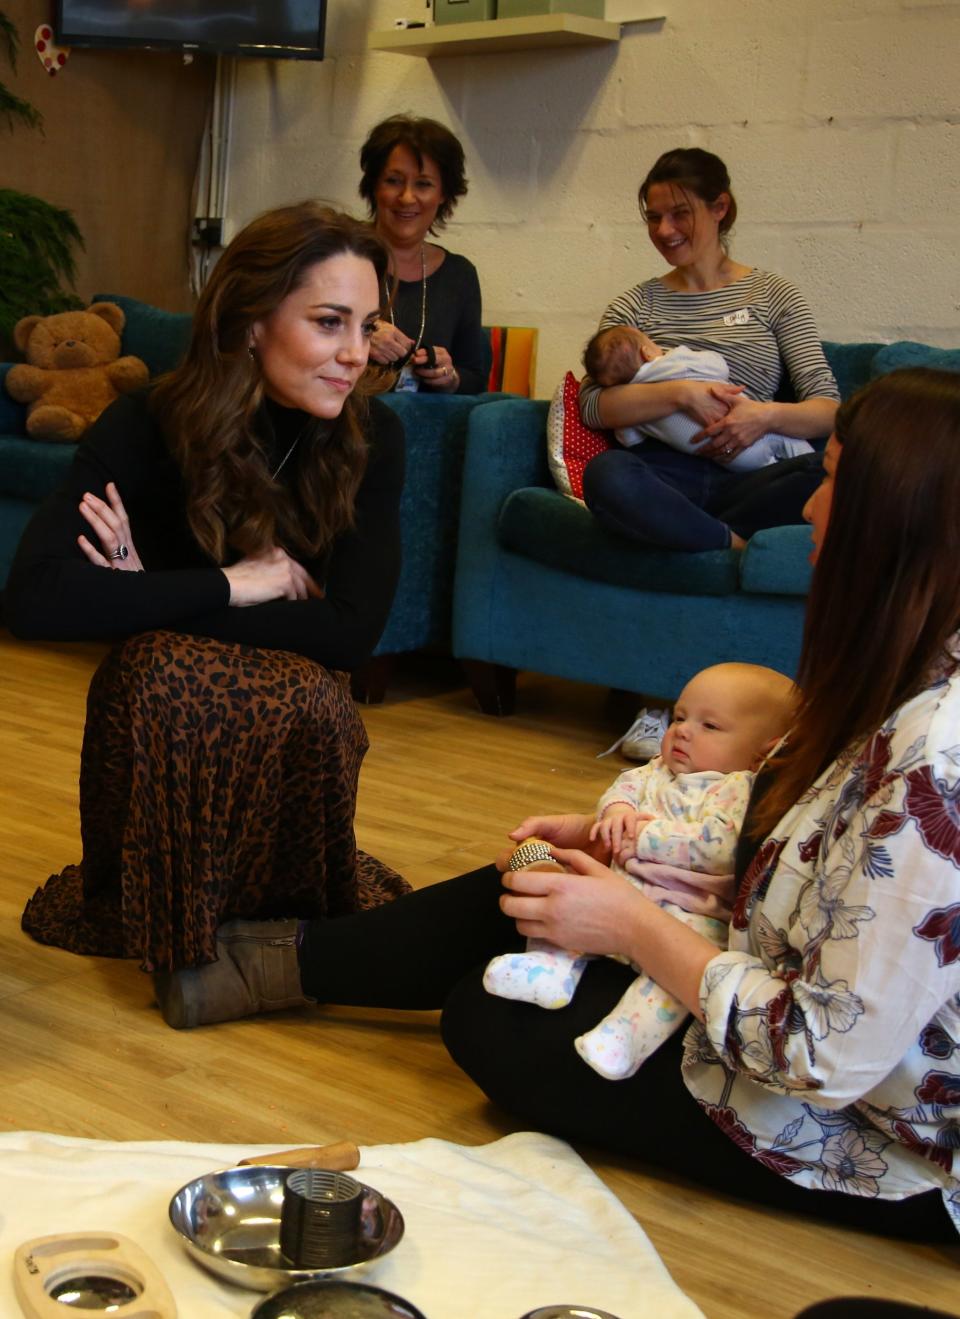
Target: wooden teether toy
point(535, 853)
point(89, 1273)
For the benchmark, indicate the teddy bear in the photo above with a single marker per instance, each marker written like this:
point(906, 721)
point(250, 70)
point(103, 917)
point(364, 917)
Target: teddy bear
point(73, 369)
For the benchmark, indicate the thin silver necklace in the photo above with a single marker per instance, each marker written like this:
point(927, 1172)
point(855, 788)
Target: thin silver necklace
point(283, 460)
point(296, 440)
point(423, 299)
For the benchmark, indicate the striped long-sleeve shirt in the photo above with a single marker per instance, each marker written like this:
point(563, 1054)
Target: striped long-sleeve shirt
point(760, 324)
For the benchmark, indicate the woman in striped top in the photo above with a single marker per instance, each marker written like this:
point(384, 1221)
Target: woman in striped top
point(760, 324)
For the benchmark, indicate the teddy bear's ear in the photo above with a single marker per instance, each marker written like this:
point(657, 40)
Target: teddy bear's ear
point(111, 313)
point(23, 330)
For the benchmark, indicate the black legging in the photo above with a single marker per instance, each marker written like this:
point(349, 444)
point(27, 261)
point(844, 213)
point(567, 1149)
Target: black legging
point(428, 950)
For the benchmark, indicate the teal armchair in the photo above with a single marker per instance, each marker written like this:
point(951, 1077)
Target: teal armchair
point(541, 586)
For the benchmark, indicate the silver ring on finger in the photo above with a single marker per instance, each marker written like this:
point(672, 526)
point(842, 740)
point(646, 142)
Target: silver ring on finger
point(121, 552)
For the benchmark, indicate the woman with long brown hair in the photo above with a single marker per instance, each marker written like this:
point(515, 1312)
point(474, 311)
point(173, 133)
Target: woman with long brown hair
point(247, 507)
point(822, 1072)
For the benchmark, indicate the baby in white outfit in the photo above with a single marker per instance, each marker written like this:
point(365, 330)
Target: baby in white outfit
point(624, 355)
point(672, 828)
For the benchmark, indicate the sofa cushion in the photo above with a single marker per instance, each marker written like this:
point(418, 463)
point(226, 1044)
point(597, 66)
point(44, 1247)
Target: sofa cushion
point(571, 444)
point(543, 525)
point(851, 364)
point(30, 469)
point(157, 337)
point(907, 353)
point(777, 562)
point(436, 429)
point(13, 415)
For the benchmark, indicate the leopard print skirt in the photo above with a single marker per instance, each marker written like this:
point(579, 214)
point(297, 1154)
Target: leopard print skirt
point(216, 781)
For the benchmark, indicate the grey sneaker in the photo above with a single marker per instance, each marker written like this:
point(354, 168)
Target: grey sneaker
point(256, 971)
point(642, 739)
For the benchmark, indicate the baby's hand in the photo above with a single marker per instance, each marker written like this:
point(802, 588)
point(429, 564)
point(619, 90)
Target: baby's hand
point(617, 827)
point(629, 845)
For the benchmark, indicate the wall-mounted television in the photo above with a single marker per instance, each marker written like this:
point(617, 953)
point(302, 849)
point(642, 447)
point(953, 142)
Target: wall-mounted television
point(285, 29)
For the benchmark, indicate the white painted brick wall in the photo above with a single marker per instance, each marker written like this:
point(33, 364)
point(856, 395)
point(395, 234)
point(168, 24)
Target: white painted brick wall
point(839, 120)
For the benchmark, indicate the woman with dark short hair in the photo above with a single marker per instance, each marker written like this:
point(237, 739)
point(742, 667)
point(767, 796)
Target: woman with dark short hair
point(239, 524)
point(431, 332)
point(760, 325)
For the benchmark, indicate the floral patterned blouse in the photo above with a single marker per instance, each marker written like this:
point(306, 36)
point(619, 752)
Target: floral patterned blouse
point(831, 1044)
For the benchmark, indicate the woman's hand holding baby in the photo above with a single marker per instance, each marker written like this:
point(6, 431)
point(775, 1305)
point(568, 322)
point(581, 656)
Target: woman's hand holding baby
point(745, 421)
point(706, 401)
point(589, 909)
point(559, 830)
point(595, 911)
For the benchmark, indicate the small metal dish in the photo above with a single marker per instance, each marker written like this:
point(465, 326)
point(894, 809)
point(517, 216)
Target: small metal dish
point(568, 1312)
point(330, 1299)
point(229, 1222)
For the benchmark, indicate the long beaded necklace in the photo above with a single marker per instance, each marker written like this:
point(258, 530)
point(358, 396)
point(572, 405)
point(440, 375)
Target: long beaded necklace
point(423, 301)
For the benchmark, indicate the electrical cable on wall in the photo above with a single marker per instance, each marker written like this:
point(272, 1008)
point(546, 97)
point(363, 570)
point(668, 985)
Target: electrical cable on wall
point(212, 181)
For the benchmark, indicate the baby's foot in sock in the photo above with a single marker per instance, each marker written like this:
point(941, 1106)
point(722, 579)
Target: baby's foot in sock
point(623, 1041)
point(547, 979)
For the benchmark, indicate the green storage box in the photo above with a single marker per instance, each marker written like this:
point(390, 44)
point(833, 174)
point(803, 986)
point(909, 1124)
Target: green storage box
point(463, 11)
point(527, 8)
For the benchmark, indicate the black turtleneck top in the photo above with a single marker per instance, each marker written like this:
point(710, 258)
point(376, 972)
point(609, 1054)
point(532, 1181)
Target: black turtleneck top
point(55, 594)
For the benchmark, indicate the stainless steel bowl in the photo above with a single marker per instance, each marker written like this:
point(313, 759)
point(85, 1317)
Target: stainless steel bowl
point(333, 1299)
point(230, 1223)
point(568, 1312)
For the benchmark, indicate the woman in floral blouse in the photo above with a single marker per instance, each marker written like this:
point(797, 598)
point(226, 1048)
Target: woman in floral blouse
point(822, 1072)
point(827, 1039)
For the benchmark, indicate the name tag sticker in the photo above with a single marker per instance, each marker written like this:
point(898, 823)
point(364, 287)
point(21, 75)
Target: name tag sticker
point(741, 317)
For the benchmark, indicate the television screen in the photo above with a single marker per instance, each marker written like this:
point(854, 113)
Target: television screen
point(285, 28)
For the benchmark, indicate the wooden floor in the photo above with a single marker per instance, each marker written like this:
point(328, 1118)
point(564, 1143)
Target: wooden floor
point(87, 1054)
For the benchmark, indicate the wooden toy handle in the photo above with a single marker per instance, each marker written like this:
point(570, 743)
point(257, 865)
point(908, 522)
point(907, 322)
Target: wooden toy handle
point(342, 1156)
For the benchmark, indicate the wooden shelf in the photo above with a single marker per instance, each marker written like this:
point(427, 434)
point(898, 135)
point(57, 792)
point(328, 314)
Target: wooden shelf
point(498, 34)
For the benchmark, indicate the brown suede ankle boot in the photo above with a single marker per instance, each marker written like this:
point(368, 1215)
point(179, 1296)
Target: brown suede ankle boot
point(256, 971)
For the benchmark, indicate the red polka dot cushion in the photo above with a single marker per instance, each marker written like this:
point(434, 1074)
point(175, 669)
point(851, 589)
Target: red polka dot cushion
point(571, 444)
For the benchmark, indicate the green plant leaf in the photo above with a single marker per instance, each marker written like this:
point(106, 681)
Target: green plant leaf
point(37, 244)
point(9, 40)
point(13, 110)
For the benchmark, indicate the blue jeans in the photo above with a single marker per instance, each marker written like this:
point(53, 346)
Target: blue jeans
point(679, 501)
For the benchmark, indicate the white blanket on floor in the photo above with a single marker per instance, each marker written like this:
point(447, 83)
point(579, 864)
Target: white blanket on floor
point(492, 1231)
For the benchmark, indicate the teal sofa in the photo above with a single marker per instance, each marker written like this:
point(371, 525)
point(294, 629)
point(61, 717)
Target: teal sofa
point(541, 586)
point(436, 431)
